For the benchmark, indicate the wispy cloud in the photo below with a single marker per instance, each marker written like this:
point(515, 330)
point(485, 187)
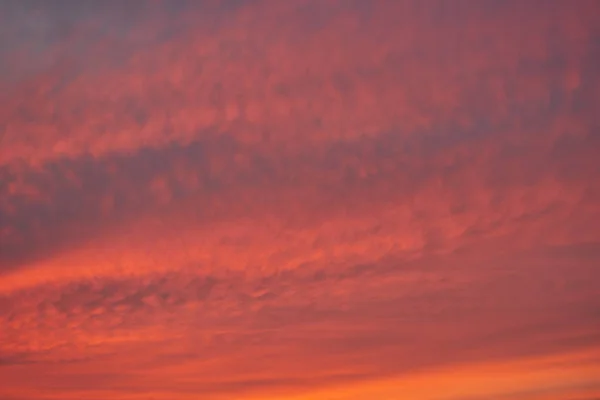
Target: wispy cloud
point(302, 198)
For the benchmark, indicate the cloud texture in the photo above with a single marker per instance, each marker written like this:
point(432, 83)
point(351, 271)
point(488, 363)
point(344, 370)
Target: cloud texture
point(299, 200)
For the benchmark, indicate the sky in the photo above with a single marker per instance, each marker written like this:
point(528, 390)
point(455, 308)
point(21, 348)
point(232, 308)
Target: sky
point(299, 200)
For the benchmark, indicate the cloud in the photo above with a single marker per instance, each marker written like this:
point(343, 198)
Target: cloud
point(308, 83)
point(248, 198)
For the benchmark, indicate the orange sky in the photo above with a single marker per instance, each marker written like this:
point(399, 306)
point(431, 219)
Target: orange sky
point(299, 200)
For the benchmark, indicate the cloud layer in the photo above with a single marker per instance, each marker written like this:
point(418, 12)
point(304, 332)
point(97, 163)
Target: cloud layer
point(301, 199)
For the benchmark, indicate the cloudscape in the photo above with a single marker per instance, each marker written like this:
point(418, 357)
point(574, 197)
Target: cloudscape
point(299, 200)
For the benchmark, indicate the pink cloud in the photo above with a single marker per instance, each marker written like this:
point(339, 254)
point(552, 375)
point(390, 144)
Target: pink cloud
point(277, 198)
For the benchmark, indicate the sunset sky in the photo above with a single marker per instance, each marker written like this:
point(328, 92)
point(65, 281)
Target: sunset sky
point(299, 200)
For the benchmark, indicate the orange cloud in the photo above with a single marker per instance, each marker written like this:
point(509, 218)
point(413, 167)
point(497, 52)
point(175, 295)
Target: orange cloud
point(301, 199)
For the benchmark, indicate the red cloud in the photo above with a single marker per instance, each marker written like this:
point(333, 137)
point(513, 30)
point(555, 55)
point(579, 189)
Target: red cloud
point(263, 198)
